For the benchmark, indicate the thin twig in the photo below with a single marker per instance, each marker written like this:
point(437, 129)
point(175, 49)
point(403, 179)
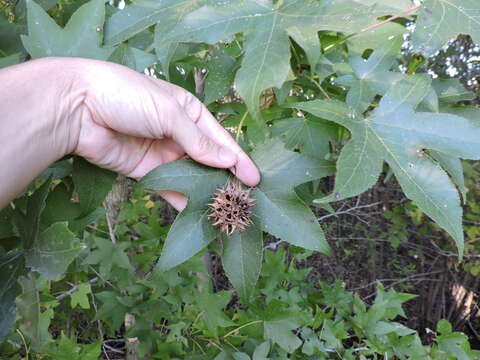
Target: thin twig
point(99, 324)
point(408, 11)
point(75, 288)
point(411, 277)
point(110, 229)
point(112, 348)
point(239, 130)
point(348, 211)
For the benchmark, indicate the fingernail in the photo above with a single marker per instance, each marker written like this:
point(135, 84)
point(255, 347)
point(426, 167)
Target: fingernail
point(226, 156)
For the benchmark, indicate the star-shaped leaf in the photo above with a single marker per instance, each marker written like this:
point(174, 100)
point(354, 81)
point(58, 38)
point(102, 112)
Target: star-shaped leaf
point(278, 209)
point(395, 133)
point(266, 27)
point(135, 18)
point(372, 76)
point(109, 254)
point(310, 134)
point(81, 37)
point(441, 20)
point(54, 250)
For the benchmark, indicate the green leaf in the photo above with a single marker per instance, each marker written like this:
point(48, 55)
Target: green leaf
point(59, 207)
point(92, 184)
point(453, 165)
point(191, 231)
point(279, 210)
point(311, 135)
point(134, 19)
point(389, 6)
point(135, 59)
point(68, 349)
point(212, 305)
point(369, 39)
point(444, 327)
point(54, 250)
point(281, 333)
point(80, 297)
point(107, 255)
point(81, 37)
point(6, 227)
point(441, 20)
point(11, 60)
point(28, 225)
point(123, 55)
point(451, 91)
point(395, 133)
point(11, 267)
point(266, 28)
point(112, 309)
point(34, 323)
point(221, 72)
point(10, 37)
point(373, 76)
point(242, 259)
point(261, 351)
point(79, 224)
point(453, 345)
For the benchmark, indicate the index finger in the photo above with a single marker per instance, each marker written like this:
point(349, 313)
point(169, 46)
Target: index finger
point(244, 169)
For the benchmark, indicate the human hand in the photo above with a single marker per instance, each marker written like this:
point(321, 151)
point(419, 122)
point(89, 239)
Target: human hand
point(131, 123)
point(113, 116)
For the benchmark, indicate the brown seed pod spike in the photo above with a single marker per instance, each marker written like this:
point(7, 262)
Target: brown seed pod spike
point(232, 208)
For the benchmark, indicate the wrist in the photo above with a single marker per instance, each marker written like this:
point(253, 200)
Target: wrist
point(69, 91)
point(40, 112)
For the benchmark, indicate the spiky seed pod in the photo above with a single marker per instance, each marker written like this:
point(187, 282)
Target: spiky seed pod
point(232, 208)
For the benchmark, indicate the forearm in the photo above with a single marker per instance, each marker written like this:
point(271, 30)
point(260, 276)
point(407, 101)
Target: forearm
point(39, 112)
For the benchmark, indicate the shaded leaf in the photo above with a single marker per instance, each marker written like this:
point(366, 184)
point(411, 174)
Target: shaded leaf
point(221, 72)
point(441, 20)
point(54, 250)
point(107, 254)
point(212, 306)
point(242, 259)
point(395, 133)
point(11, 267)
point(28, 224)
point(92, 184)
point(451, 91)
point(11, 60)
point(279, 210)
point(280, 332)
point(311, 135)
point(34, 323)
point(373, 76)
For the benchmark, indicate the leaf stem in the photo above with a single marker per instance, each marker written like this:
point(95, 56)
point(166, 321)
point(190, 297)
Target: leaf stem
point(322, 90)
point(391, 18)
point(27, 350)
point(368, 28)
point(241, 327)
point(239, 130)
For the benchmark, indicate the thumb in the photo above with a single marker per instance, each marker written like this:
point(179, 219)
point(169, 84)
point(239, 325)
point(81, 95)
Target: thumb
point(199, 146)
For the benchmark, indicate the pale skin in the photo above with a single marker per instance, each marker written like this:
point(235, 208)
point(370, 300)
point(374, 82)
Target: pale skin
point(112, 116)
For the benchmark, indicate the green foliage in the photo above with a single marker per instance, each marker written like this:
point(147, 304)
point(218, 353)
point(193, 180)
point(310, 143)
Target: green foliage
point(441, 20)
point(312, 91)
